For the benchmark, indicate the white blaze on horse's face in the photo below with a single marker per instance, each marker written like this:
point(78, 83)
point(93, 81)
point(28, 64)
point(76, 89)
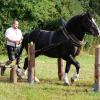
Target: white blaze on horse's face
point(96, 26)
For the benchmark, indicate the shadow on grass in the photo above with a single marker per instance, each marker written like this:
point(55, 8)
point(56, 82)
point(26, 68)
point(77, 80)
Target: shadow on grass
point(58, 82)
point(5, 79)
point(51, 81)
point(77, 87)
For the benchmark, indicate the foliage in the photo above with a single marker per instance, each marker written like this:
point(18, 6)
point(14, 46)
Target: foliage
point(44, 14)
point(95, 5)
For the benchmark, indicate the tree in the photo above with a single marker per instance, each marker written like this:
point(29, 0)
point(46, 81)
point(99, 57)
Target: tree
point(95, 5)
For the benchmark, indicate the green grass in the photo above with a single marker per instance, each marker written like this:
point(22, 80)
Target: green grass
point(50, 88)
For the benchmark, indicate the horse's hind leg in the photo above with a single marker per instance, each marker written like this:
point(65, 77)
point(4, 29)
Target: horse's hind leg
point(25, 68)
point(25, 63)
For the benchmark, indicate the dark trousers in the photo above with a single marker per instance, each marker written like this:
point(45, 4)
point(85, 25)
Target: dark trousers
point(13, 53)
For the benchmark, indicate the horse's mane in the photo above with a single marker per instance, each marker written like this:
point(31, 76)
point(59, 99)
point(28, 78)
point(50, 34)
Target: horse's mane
point(75, 18)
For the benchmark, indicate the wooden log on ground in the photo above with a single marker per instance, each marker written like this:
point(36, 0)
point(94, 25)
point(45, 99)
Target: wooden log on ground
point(6, 64)
point(31, 62)
point(12, 66)
point(60, 68)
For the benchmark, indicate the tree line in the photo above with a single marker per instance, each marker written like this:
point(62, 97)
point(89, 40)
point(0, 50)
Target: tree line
point(44, 14)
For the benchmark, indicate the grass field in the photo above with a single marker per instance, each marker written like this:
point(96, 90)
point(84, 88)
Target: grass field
point(50, 88)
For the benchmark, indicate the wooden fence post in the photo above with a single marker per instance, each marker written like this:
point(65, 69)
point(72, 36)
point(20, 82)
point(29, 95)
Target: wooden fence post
point(60, 68)
point(97, 69)
point(31, 62)
point(13, 74)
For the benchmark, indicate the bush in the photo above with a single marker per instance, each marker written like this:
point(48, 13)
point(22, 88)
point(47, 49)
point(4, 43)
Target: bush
point(33, 14)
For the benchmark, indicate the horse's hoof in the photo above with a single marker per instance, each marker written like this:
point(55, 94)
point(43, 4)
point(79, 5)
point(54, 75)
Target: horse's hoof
point(66, 84)
point(36, 80)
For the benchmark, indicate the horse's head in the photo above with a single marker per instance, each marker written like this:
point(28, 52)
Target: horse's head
point(89, 24)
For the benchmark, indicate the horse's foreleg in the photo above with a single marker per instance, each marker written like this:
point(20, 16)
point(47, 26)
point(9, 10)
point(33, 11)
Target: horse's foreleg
point(66, 81)
point(77, 66)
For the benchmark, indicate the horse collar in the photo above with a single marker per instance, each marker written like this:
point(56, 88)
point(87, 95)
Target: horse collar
point(72, 37)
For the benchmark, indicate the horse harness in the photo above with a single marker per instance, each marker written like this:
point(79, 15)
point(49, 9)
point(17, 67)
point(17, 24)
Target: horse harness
point(50, 44)
point(77, 43)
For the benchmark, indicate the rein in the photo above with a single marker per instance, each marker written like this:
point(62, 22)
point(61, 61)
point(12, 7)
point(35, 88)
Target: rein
point(50, 46)
point(46, 48)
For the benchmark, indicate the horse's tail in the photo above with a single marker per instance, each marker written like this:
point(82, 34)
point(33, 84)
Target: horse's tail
point(23, 44)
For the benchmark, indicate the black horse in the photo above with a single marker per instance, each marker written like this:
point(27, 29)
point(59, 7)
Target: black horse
point(64, 43)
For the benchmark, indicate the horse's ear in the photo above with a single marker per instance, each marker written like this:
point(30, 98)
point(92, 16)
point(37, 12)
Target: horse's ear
point(89, 14)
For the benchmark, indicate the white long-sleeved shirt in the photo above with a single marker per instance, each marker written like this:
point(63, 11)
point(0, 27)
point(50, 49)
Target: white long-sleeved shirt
point(14, 35)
